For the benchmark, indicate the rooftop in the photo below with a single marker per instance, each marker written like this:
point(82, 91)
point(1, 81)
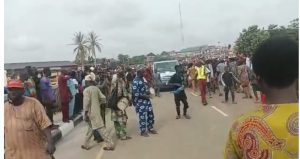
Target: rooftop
point(12, 66)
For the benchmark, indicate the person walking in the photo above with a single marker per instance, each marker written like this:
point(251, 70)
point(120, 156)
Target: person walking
point(92, 99)
point(142, 103)
point(179, 93)
point(228, 80)
point(27, 132)
point(119, 116)
point(201, 77)
point(272, 130)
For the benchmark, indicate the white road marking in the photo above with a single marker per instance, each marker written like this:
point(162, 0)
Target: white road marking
point(101, 152)
point(194, 94)
point(220, 111)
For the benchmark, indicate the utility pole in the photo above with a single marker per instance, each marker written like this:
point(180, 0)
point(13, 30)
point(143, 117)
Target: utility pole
point(181, 24)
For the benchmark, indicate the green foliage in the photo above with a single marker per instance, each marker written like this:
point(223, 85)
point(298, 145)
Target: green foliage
point(124, 59)
point(137, 60)
point(251, 38)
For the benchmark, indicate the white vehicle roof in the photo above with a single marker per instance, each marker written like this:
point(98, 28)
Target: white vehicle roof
point(165, 61)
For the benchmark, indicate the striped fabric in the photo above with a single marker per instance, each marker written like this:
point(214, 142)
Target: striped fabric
point(23, 127)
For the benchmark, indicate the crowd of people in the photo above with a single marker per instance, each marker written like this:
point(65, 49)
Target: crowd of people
point(31, 100)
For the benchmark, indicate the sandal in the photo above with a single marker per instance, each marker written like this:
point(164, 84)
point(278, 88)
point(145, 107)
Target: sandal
point(85, 148)
point(126, 138)
point(108, 148)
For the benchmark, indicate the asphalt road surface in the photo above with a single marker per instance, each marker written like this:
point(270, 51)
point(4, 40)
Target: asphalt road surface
point(201, 137)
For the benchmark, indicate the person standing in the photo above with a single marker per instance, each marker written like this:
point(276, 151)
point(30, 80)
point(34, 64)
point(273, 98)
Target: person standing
point(201, 77)
point(157, 82)
point(26, 126)
point(72, 85)
point(179, 94)
point(65, 95)
point(271, 131)
point(142, 103)
point(47, 95)
point(29, 84)
point(228, 80)
point(118, 116)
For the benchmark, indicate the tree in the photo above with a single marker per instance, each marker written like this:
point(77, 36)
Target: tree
point(94, 43)
point(137, 60)
point(81, 49)
point(250, 38)
point(123, 58)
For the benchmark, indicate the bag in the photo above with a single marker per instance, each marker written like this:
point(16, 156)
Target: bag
point(112, 102)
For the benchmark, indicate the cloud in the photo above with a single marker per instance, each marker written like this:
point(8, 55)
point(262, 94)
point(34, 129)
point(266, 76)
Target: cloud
point(25, 43)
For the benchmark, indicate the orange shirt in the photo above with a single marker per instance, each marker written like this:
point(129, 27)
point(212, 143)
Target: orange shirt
point(23, 127)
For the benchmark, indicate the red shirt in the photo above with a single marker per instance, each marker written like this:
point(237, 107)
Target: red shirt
point(63, 89)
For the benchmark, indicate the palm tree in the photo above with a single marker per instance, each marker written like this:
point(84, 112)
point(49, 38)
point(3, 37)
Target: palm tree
point(81, 49)
point(93, 44)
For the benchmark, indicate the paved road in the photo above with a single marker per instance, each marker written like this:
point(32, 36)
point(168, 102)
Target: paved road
point(203, 136)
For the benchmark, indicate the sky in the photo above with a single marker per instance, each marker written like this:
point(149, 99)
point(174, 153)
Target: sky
point(42, 30)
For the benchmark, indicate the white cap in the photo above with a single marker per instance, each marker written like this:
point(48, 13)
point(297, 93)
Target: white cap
point(92, 68)
point(88, 78)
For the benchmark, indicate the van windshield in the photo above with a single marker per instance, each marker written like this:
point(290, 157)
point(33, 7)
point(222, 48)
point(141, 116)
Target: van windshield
point(166, 66)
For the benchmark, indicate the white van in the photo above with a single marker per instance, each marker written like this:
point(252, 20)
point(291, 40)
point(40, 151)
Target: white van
point(166, 70)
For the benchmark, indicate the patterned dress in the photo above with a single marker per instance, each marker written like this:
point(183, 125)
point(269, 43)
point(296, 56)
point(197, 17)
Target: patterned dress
point(142, 106)
point(269, 132)
point(120, 117)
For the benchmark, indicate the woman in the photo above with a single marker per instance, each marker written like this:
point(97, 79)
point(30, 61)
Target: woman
point(119, 117)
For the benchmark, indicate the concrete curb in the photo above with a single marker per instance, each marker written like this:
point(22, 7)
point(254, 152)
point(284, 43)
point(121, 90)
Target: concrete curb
point(65, 129)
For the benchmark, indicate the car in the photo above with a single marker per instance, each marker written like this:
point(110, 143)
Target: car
point(166, 70)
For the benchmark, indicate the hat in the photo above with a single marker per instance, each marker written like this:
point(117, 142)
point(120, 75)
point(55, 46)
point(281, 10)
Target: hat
point(15, 84)
point(92, 68)
point(88, 78)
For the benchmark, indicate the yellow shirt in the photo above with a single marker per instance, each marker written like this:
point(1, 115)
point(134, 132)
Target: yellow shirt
point(201, 72)
point(269, 132)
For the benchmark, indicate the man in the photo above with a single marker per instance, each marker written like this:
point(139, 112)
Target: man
point(272, 130)
point(118, 116)
point(192, 72)
point(220, 70)
point(142, 103)
point(92, 74)
point(228, 80)
point(65, 95)
point(177, 81)
point(157, 82)
point(92, 99)
point(201, 77)
point(26, 126)
point(47, 94)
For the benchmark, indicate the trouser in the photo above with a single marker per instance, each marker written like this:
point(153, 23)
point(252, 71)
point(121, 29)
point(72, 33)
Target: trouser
point(194, 85)
point(157, 90)
point(102, 131)
point(120, 129)
point(202, 88)
point(71, 107)
point(103, 109)
point(76, 105)
point(49, 110)
point(65, 111)
point(209, 87)
point(177, 103)
point(146, 117)
point(226, 90)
